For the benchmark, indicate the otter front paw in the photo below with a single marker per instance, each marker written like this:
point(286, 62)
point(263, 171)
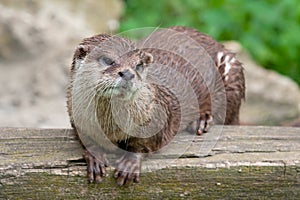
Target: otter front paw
point(95, 167)
point(128, 169)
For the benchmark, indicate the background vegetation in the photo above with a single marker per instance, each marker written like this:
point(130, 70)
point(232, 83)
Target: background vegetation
point(268, 29)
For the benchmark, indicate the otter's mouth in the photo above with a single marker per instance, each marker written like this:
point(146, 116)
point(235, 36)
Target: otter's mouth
point(121, 89)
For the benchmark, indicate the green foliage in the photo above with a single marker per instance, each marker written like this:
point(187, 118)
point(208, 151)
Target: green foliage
point(269, 29)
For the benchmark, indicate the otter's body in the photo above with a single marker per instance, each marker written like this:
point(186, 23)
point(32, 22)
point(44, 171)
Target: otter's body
point(108, 93)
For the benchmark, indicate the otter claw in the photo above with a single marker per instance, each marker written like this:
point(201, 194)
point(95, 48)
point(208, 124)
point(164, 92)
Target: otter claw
point(204, 123)
point(128, 169)
point(95, 167)
point(201, 125)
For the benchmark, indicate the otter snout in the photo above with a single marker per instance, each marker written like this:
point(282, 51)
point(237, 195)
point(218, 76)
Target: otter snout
point(126, 75)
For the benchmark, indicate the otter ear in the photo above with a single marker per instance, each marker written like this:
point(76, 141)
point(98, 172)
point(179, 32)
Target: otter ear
point(147, 58)
point(81, 51)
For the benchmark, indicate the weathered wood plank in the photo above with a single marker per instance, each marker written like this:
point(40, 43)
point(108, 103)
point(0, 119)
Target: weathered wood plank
point(183, 183)
point(242, 161)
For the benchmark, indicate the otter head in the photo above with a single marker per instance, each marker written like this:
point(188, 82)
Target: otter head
point(112, 68)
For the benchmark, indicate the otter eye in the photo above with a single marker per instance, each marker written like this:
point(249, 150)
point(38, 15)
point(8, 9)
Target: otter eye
point(139, 67)
point(106, 61)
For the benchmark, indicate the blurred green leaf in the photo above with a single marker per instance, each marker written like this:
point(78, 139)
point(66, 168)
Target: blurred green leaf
point(269, 29)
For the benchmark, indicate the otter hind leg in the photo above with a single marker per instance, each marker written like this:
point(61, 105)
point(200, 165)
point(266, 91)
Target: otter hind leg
point(201, 125)
point(205, 122)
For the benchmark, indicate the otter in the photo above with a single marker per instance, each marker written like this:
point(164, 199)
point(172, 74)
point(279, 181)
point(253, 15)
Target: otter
point(112, 105)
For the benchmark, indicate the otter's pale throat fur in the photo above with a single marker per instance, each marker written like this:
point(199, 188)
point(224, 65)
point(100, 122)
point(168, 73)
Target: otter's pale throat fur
point(108, 94)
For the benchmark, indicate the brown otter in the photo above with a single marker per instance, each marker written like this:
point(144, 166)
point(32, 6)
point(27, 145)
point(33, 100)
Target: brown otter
point(110, 100)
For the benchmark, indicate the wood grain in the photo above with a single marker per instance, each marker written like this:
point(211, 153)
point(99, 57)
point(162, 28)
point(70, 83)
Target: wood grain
point(227, 162)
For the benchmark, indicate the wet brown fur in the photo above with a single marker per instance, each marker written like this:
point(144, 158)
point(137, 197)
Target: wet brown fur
point(234, 86)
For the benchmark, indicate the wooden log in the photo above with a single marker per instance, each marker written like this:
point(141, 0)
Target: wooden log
point(228, 162)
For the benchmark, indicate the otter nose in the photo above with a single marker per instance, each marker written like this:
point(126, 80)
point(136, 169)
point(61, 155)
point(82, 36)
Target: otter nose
point(126, 75)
